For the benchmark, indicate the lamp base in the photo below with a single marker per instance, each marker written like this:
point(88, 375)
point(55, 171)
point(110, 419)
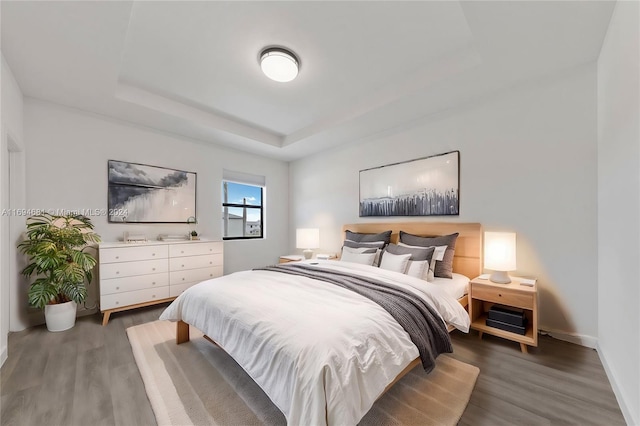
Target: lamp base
point(500, 277)
point(307, 253)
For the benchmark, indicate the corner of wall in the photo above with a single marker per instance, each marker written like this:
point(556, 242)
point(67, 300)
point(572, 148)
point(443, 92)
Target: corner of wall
point(622, 402)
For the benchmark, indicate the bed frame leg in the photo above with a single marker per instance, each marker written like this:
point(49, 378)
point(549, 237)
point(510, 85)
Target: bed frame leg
point(182, 332)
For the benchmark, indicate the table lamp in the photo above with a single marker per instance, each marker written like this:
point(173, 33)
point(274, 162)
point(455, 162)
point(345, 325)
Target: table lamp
point(307, 239)
point(500, 255)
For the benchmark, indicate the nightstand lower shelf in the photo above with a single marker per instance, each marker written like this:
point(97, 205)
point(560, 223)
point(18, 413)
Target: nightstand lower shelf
point(480, 325)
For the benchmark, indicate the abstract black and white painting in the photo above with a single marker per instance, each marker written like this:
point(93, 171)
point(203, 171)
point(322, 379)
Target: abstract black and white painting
point(423, 187)
point(148, 194)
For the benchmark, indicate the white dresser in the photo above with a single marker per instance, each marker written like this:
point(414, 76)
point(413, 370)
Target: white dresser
point(136, 275)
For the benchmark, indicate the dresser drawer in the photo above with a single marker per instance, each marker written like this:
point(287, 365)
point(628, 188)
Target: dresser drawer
point(194, 275)
point(130, 254)
point(506, 297)
point(139, 282)
point(118, 300)
point(195, 262)
point(128, 269)
point(177, 289)
point(194, 249)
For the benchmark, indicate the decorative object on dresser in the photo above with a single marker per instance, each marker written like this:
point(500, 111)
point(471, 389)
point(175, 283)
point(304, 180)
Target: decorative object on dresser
point(139, 193)
point(56, 248)
point(307, 239)
point(136, 275)
point(512, 300)
point(500, 255)
point(422, 187)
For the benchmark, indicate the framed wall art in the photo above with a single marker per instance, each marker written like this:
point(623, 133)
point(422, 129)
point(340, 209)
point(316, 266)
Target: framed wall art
point(422, 187)
point(138, 193)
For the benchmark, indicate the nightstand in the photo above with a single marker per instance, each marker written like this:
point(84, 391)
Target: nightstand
point(483, 294)
point(290, 258)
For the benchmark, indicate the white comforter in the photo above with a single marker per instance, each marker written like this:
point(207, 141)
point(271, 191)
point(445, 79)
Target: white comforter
point(323, 354)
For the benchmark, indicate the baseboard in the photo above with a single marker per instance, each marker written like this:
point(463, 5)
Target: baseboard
point(578, 339)
point(3, 356)
point(622, 402)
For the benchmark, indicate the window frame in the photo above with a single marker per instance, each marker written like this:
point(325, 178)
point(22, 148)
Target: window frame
point(242, 206)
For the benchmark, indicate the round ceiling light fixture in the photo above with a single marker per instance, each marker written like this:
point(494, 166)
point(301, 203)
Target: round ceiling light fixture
point(279, 64)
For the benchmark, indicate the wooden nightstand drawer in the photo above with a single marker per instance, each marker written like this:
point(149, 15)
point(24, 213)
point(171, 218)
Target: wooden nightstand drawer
point(505, 297)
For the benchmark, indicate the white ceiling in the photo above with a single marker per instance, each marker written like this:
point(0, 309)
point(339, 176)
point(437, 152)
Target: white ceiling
point(191, 68)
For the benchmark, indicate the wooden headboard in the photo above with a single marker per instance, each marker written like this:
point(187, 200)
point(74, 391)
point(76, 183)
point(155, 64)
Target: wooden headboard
point(468, 255)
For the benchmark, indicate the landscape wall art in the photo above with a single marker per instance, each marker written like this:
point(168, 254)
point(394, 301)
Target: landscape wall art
point(140, 193)
point(423, 187)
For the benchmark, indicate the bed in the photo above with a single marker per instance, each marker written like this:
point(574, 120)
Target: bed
point(322, 353)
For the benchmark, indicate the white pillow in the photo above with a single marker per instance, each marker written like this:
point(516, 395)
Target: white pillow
point(417, 268)
point(362, 258)
point(359, 249)
point(438, 255)
point(395, 262)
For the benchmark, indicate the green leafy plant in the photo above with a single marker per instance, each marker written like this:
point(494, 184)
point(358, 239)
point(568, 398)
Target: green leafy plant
point(56, 248)
point(194, 234)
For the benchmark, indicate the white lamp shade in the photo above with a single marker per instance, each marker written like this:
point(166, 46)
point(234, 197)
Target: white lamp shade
point(307, 238)
point(279, 65)
point(500, 251)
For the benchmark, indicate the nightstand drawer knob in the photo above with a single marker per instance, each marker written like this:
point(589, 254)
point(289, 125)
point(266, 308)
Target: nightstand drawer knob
point(499, 295)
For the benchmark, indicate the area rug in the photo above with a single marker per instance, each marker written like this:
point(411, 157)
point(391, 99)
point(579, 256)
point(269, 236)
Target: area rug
point(197, 383)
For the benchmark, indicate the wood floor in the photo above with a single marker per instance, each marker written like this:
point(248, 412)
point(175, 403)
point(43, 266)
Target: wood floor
point(88, 376)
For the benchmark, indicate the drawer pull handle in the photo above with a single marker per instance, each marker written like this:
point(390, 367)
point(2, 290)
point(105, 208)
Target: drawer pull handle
point(153, 283)
point(153, 269)
point(154, 296)
point(183, 279)
point(499, 295)
point(117, 257)
point(117, 303)
point(117, 272)
point(117, 288)
point(153, 254)
point(210, 249)
point(210, 275)
point(183, 266)
point(182, 252)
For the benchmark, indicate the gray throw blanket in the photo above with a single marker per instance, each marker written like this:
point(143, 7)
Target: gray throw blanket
point(423, 324)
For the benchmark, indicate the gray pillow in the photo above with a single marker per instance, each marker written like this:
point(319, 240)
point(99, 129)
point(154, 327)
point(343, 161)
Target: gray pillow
point(444, 269)
point(416, 253)
point(359, 237)
point(367, 244)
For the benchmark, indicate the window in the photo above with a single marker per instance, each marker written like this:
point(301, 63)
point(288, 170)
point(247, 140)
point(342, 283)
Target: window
point(242, 209)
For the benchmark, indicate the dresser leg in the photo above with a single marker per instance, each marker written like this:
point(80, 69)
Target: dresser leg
point(105, 317)
point(523, 348)
point(480, 335)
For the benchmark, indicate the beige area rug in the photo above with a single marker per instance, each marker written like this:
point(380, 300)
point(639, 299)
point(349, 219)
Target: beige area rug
point(197, 383)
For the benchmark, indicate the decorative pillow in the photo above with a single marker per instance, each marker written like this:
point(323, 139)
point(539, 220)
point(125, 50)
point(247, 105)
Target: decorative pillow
point(438, 255)
point(417, 253)
point(444, 268)
point(359, 249)
point(395, 262)
point(418, 266)
point(418, 269)
point(362, 258)
point(365, 238)
point(364, 244)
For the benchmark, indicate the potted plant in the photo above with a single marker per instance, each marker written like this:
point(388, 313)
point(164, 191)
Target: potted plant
point(193, 235)
point(56, 248)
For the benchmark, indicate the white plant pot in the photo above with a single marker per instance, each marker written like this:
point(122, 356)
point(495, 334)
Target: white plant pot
point(61, 316)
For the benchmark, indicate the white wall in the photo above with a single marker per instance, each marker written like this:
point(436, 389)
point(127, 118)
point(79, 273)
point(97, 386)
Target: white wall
point(11, 138)
point(67, 168)
point(619, 206)
point(528, 164)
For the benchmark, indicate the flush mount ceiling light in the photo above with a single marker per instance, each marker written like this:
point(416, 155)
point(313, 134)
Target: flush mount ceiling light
point(279, 64)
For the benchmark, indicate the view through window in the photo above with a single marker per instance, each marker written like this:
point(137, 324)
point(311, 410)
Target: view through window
point(242, 214)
